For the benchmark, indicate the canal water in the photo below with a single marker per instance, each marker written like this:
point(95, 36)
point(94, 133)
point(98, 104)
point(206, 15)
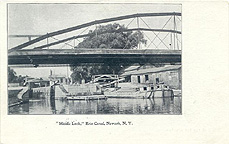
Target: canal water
point(109, 106)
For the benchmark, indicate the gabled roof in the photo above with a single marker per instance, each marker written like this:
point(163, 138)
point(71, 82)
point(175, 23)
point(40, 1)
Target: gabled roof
point(151, 70)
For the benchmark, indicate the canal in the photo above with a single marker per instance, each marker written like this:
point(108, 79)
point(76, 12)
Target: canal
point(109, 106)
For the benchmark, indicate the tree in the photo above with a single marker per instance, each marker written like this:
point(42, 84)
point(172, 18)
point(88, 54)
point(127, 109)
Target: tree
point(110, 36)
point(11, 75)
point(13, 78)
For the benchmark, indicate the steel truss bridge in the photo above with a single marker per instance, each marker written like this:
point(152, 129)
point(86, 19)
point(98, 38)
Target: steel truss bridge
point(45, 54)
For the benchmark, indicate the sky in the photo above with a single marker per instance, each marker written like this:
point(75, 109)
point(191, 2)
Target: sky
point(39, 19)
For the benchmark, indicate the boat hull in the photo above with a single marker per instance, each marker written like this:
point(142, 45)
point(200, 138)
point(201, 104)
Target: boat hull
point(93, 97)
point(163, 93)
point(145, 94)
point(124, 94)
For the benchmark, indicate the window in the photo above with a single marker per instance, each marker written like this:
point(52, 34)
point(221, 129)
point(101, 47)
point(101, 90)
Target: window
point(146, 77)
point(157, 80)
point(139, 79)
point(128, 79)
point(152, 88)
point(145, 88)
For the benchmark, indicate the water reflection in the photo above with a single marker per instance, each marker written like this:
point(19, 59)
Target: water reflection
point(110, 106)
point(19, 109)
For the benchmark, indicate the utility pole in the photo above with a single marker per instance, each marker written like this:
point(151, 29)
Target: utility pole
point(138, 34)
point(171, 40)
point(47, 40)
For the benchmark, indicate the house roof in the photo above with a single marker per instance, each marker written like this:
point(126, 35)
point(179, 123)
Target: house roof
point(151, 70)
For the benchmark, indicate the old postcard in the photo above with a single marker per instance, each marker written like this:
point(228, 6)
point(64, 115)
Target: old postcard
point(119, 61)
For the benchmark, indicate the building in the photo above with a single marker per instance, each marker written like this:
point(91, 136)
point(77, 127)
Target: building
point(35, 83)
point(169, 75)
point(59, 79)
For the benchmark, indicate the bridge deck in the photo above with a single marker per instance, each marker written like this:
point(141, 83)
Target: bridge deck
point(110, 56)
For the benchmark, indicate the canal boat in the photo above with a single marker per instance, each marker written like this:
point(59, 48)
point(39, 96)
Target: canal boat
point(124, 93)
point(160, 90)
point(86, 98)
point(128, 90)
point(87, 91)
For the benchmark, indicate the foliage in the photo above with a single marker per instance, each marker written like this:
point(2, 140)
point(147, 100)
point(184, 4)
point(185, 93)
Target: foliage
point(110, 36)
point(88, 70)
point(13, 78)
point(11, 75)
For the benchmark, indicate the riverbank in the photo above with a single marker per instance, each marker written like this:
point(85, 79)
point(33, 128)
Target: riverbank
point(17, 95)
point(12, 96)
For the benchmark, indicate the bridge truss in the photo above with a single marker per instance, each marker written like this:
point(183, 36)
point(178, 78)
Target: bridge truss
point(167, 37)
